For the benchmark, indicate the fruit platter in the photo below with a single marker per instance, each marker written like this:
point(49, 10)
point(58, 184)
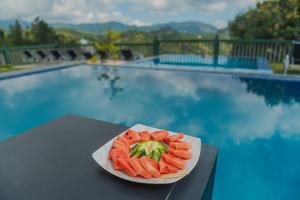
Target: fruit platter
point(149, 155)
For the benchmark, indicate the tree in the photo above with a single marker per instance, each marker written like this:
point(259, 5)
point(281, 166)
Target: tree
point(2, 38)
point(16, 34)
point(275, 19)
point(42, 33)
point(107, 44)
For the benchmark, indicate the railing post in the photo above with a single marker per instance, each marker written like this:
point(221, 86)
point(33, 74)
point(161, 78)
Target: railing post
point(56, 45)
point(286, 64)
point(6, 54)
point(156, 47)
point(216, 49)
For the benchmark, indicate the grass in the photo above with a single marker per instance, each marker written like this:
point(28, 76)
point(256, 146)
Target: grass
point(7, 68)
point(278, 68)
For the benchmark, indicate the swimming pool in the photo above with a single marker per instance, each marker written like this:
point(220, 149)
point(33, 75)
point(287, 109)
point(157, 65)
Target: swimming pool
point(253, 122)
point(198, 61)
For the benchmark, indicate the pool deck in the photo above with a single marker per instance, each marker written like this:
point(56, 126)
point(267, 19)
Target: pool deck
point(37, 69)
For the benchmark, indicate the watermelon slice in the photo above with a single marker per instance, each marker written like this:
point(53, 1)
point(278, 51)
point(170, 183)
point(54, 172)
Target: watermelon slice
point(153, 162)
point(165, 168)
point(180, 145)
point(149, 167)
point(120, 148)
point(117, 154)
point(153, 154)
point(186, 155)
point(159, 135)
point(136, 165)
point(126, 167)
point(171, 160)
point(144, 136)
point(174, 138)
point(132, 136)
point(124, 141)
point(119, 144)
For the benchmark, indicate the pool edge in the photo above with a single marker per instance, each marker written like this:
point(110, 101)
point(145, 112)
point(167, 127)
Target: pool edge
point(15, 74)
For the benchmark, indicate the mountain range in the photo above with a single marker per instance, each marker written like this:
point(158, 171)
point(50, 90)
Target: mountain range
point(187, 27)
point(194, 27)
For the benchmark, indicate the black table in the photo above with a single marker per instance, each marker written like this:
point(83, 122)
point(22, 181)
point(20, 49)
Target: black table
point(53, 162)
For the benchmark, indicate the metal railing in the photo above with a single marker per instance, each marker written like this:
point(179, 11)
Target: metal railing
point(145, 49)
point(17, 55)
point(274, 51)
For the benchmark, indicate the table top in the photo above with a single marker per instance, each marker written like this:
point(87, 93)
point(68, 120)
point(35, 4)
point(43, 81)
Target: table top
point(54, 161)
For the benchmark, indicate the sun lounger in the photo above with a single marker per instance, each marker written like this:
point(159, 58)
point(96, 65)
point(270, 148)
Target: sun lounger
point(87, 55)
point(41, 56)
point(56, 55)
point(28, 54)
point(72, 54)
point(127, 54)
point(28, 57)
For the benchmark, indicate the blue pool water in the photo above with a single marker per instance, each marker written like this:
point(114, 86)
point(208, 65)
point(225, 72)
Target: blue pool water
point(207, 61)
point(253, 122)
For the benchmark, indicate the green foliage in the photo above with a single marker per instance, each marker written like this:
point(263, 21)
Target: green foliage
point(39, 33)
point(15, 35)
point(6, 68)
point(42, 33)
point(163, 34)
point(278, 68)
point(275, 19)
point(73, 36)
point(2, 37)
point(171, 34)
point(107, 44)
point(93, 59)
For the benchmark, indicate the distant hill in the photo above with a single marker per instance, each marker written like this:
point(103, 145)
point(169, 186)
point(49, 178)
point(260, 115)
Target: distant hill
point(74, 35)
point(96, 27)
point(4, 24)
point(193, 27)
point(186, 27)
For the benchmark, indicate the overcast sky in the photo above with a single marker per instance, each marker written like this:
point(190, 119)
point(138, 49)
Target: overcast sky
point(138, 12)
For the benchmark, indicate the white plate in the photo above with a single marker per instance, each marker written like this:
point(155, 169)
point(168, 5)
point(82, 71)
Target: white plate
point(101, 157)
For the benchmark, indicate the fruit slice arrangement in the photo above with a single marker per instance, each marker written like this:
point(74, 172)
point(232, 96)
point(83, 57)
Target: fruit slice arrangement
point(149, 155)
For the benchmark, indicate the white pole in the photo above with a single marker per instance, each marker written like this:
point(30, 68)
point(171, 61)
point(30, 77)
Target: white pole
point(286, 64)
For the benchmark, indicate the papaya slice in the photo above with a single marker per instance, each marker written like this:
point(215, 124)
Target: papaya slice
point(126, 167)
point(136, 165)
point(165, 168)
point(180, 145)
point(174, 138)
point(186, 155)
point(174, 161)
point(149, 167)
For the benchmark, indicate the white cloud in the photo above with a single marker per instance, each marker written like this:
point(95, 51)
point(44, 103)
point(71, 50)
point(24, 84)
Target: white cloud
point(107, 10)
point(220, 24)
point(217, 7)
point(137, 22)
